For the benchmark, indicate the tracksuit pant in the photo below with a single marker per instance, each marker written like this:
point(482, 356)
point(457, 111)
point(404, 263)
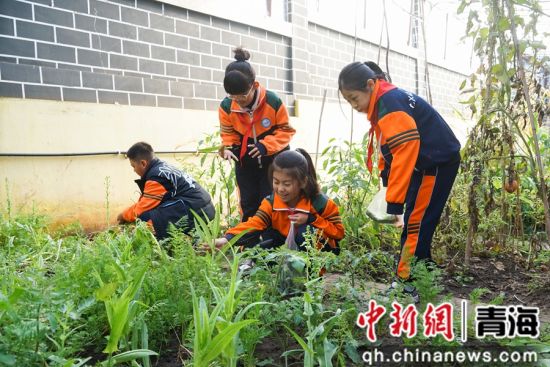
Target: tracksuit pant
point(253, 184)
point(428, 192)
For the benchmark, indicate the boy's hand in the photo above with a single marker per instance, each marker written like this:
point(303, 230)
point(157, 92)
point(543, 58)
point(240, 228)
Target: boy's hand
point(120, 219)
point(399, 223)
point(298, 217)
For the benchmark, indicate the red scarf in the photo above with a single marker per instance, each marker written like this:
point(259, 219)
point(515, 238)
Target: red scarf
point(246, 120)
point(381, 88)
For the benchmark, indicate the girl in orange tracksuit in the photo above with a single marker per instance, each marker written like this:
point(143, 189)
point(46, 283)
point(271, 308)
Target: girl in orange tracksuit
point(419, 155)
point(296, 198)
point(254, 128)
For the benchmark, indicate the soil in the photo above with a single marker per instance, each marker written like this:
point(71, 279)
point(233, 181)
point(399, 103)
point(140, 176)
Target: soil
point(505, 275)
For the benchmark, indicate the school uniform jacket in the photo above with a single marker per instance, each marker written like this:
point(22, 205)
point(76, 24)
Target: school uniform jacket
point(163, 185)
point(412, 135)
point(273, 212)
point(268, 116)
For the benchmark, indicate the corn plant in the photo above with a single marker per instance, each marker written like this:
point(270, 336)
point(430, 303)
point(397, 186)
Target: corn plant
point(230, 298)
point(213, 334)
point(208, 231)
point(119, 308)
point(213, 166)
point(316, 346)
point(121, 311)
point(223, 320)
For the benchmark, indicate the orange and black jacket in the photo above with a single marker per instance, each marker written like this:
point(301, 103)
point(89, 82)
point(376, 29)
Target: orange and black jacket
point(267, 116)
point(163, 184)
point(412, 135)
point(273, 213)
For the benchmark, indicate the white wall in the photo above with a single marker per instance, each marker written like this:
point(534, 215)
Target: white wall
point(81, 188)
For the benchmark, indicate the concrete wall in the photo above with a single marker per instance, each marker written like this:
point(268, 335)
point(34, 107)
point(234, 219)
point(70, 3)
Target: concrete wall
point(80, 76)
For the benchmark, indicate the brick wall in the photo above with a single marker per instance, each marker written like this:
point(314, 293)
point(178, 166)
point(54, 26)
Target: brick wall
point(147, 53)
point(329, 51)
point(128, 52)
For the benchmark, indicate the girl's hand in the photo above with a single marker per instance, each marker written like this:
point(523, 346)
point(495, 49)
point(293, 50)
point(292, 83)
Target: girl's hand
point(298, 217)
point(255, 152)
point(228, 154)
point(218, 244)
point(399, 223)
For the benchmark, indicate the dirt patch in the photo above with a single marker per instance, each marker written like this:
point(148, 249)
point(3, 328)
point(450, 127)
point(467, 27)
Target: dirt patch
point(171, 354)
point(501, 275)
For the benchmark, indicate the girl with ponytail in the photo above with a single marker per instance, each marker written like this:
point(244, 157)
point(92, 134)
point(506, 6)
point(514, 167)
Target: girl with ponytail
point(296, 201)
point(419, 156)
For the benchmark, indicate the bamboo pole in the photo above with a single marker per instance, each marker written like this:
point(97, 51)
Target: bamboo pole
point(319, 126)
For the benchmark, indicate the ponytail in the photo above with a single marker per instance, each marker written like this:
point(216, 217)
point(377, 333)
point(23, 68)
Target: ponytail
point(354, 76)
point(312, 186)
point(379, 74)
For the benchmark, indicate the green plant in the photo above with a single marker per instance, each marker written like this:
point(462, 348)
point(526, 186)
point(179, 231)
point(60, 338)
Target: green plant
point(501, 99)
point(476, 294)
point(346, 181)
point(427, 281)
point(107, 203)
point(213, 166)
point(230, 297)
point(316, 345)
point(120, 308)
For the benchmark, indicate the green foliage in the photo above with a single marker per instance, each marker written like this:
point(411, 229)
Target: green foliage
point(349, 184)
point(218, 176)
point(317, 345)
point(427, 281)
point(216, 331)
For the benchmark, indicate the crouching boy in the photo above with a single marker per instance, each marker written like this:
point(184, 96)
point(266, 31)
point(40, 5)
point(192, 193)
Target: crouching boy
point(167, 194)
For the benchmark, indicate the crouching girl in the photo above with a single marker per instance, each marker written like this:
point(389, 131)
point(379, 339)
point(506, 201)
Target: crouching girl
point(295, 204)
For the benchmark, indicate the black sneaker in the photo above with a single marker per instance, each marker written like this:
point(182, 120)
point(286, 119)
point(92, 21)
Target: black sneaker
point(408, 289)
point(411, 291)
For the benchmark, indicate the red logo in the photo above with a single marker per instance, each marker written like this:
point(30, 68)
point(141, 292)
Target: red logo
point(370, 318)
point(439, 320)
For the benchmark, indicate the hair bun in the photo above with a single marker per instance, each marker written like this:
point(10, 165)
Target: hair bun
point(241, 54)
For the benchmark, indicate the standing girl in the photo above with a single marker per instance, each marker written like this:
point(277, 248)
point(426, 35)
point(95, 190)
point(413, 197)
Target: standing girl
point(419, 155)
point(296, 201)
point(254, 128)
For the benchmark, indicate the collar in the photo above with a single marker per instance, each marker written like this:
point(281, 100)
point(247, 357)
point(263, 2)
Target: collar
point(381, 87)
point(373, 99)
point(259, 101)
point(154, 162)
point(303, 205)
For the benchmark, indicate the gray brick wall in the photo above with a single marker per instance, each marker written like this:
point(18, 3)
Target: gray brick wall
point(145, 52)
point(136, 52)
point(329, 51)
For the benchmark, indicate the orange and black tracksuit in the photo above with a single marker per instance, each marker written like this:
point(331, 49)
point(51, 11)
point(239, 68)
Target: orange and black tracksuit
point(419, 160)
point(272, 224)
point(167, 195)
point(267, 119)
